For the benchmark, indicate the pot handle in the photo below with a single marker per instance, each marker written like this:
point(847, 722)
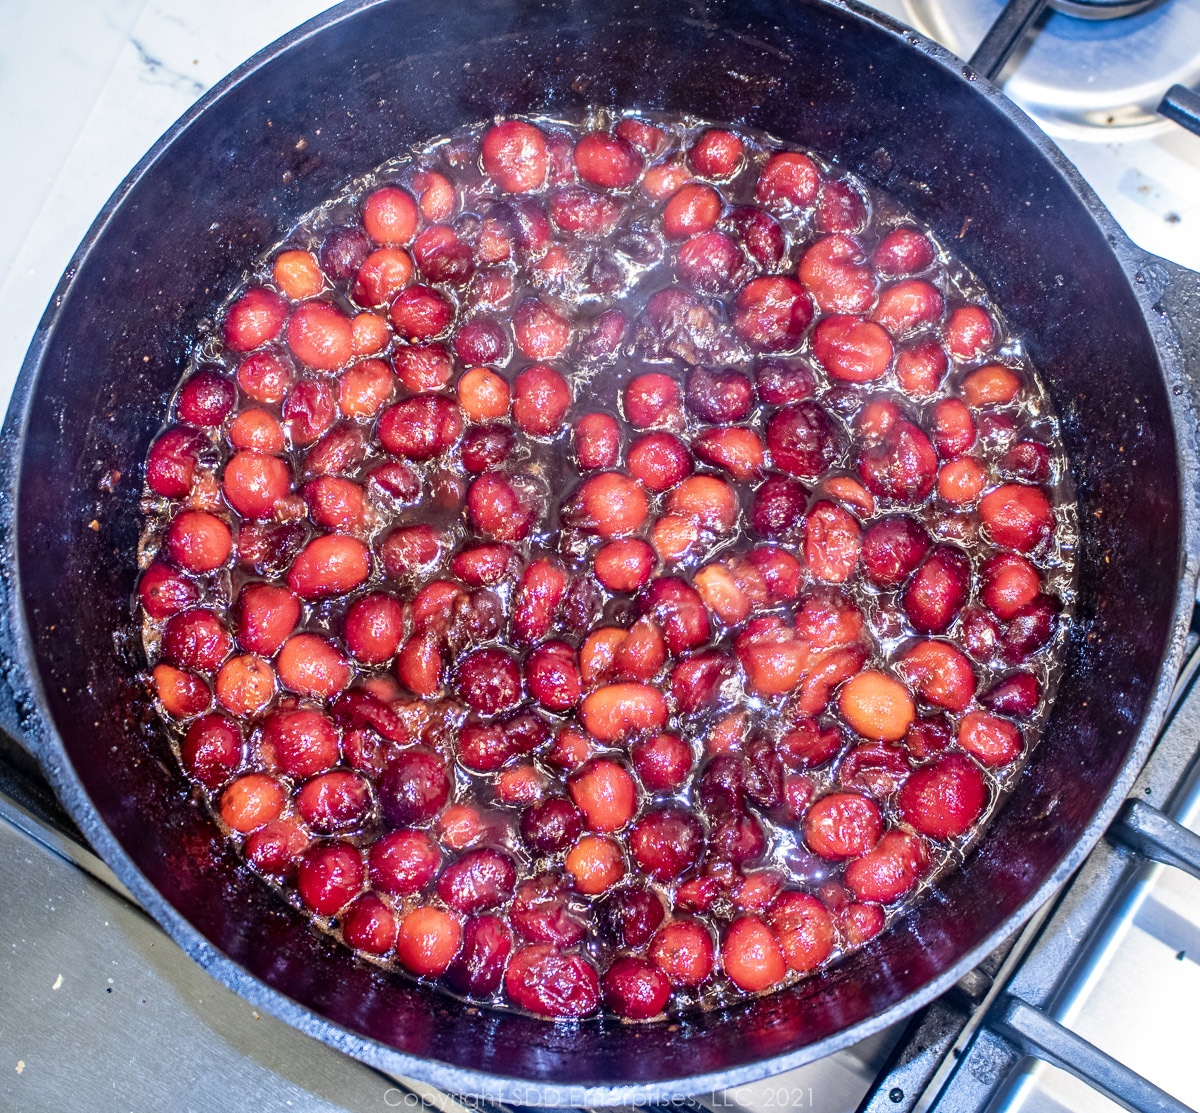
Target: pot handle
point(1182, 105)
point(1005, 35)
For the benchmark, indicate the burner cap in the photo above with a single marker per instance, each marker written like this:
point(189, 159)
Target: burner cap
point(1094, 78)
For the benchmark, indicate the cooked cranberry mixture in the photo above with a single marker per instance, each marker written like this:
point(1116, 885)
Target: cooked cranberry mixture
point(612, 565)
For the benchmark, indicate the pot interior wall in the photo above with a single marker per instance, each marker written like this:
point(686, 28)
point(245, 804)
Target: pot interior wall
point(395, 73)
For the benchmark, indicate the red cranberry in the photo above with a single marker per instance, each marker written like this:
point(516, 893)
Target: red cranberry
point(852, 350)
point(892, 548)
point(945, 799)
point(421, 313)
point(832, 271)
point(696, 680)
point(487, 446)
point(632, 915)
point(330, 876)
point(803, 439)
point(710, 263)
point(413, 788)
point(1015, 695)
point(544, 981)
point(370, 925)
point(482, 341)
point(842, 825)
point(938, 590)
point(552, 825)
point(489, 681)
point(662, 762)
point(903, 251)
point(1029, 629)
point(659, 461)
point(636, 989)
point(343, 252)
point(779, 505)
point(719, 397)
point(499, 509)
point(679, 611)
point(164, 592)
point(480, 879)
point(840, 207)
point(255, 318)
point(543, 912)
point(902, 466)
point(171, 464)
point(761, 235)
point(771, 314)
point(666, 843)
point(779, 382)
point(1028, 461)
point(514, 156)
point(196, 639)
point(421, 427)
point(335, 801)
point(602, 339)
point(890, 869)
point(552, 676)
point(607, 160)
point(807, 745)
point(737, 837)
point(206, 399)
point(212, 749)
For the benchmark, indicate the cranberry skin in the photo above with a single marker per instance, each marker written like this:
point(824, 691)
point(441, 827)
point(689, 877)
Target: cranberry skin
point(1026, 460)
point(683, 950)
point(552, 825)
point(197, 541)
point(607, 160)
point(343, 252)
point(164, 592)
point(1015, 695)
point(666, 843)
point(304, 742)
point(256, 317)
point(478, 968)
point(1030, 628)
point(779, 382)
point(719, 397)
point(421, 313)
point(737, 837)
point(487, 446)
point(903, 251)
point(659, 461)
point(808, 745)
point(840, 208)
point(421, 427)
point(937, 591)
point(944, 799)
point(212, 750)
point(677, 607)
point(514, 156)
point(632, 915)
point(888, 870)
point(206, 400)
point(334, 801)
point(779, 505)
point(498, 510)
point(636, 989)
point(480, 879)
point(1018, 517)
point(710, 263)
point(489, 681)
point(196, 639)
point(414, 788)
point(552, 676)
point(803, 439)
point(542, 912)
point(761, 235)
point(601, 339)
point(404, 862)
point(662, 762)
point(544, 981)
point(892, 548)
point(370, 925)
point(902, 466)
point(842, 825)
point(171, 463)
point(482, 341)
point(373, 628)
point(771, 314)
point(330, 876)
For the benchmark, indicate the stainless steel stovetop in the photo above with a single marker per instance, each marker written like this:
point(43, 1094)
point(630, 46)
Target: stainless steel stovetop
point(97, 1005)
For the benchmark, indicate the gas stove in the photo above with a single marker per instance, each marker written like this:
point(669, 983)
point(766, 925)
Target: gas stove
point(99, 1002)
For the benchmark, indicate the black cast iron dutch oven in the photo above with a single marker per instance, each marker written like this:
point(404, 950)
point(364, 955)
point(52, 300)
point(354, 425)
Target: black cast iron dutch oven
point(1112, 330)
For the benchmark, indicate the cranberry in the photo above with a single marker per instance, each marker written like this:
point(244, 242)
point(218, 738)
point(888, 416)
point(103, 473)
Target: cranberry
point(696, 680)
point(486, 446)
point(542, 911)
point(662, 762)
point(803, 439)
point(205, 400)
point(761, 235)
point(414, 788)
point(1028, 461)
point(832, 271)
point(479, 880)
point(892, 548)
point(683, 950)
point(778, 509)
point(1015, 695)
point(921, 366)
point(772, 314)
point(482, 341)
point(779, 382)
point(1017, 517)
point(335, 801)
point(832, 541)
point(710, 263)
point(636, 989)
point(631, 915)
point(889, 870)
point(479, 967)
point(421, 427)
point(719, 397)
point(196, 639)
point(842, 825)
point(945, 799)
point(330, 876)
point(421, 313)
point(938, 590)
point(212, 749)
point(489, 681)
point(343, 252)
point(552, 825)
point(172, 462)
point(514, 156)
point(807, 744)
point(254, 319)
point(197, 541)
point(607, 160)
point(499, 509)
point(907, 306)
point(1029, 629)
point(390, 216)
point(546, 982)
point(851, 349)
point(840, 207)
point(164, 592)
point(902, 466)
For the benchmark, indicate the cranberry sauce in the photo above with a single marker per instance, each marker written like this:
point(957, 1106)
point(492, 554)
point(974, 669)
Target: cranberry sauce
point(606, 565)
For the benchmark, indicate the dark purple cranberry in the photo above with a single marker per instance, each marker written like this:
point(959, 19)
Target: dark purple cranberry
point(482, 341)
point(395, 482)
point(343, 252)
point(719, 787)
point(1014, 695)
point(737, 837)
point(901, 466)
point(779, 382)
point(762, 776)
point(711, 263)
point(480, 879)
point(552, 825)
point(720, 397)
point(1027, 460)
point(980, 633)
point(803, 439)
point(892, 548)
point(602, 338)
point(485, 447)
point(679, 611)
point(632, 915)
point(525, 732)
point(1029, 629)
point(479, 967)
point(779, 505)
point(414, 788)
point(761, 235)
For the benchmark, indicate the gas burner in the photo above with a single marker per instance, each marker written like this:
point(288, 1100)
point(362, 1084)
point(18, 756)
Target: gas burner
point(1094, 78)
point(1102, 9)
